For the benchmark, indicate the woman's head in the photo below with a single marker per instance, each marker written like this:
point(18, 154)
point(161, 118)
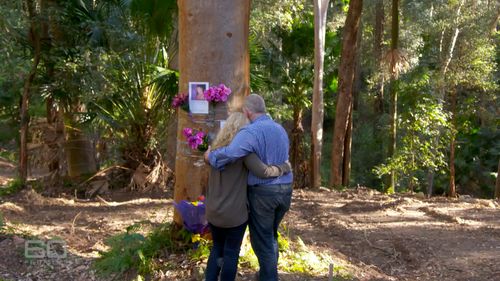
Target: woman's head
point(233, 124)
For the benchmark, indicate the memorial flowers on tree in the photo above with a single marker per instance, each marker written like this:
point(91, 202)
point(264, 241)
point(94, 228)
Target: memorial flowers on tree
point(196, 139)
point(180, 101)
point(193, 215)
point(217, 94)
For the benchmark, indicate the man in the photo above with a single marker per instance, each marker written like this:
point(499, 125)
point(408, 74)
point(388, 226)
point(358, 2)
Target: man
point(269, 199)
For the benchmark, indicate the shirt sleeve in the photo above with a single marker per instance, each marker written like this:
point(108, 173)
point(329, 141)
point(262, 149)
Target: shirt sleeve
point(242, 145)
point(260, 169)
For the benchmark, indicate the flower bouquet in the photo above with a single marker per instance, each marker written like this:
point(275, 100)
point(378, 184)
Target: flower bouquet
point(196, 139)
point(217, 94)
point(181, 100)
point(193, 215)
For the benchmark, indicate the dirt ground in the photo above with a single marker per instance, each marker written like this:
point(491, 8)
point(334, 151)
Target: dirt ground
point(374, 236)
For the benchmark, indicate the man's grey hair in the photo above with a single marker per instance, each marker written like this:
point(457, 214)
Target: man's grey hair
point(255, 104)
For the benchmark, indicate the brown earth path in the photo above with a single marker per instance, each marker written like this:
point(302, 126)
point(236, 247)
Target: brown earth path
point(374, 236)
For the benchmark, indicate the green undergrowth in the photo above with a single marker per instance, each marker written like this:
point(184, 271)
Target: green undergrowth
point(11, 188)
point(2, 223)
point(145, 248)
point(295, 257)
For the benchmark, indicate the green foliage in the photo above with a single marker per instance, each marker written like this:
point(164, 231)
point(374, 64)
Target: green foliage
point(8, 155)
point(132, 250)
point(12, 187)
point(2, 222)
point(422, 137)
point(201, 249)
point(476, 160)
point(156, 18)
point(296, 257)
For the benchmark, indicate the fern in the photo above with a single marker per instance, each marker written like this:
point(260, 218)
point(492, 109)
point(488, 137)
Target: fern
point(132, 250)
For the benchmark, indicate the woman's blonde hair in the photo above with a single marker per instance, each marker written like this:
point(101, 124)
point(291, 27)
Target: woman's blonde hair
point(233, 124)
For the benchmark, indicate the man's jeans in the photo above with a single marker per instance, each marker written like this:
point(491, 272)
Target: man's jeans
point(268, 205)
point(223, 259)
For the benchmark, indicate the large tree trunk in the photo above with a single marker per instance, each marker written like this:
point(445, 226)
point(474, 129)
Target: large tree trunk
point(79, 153)
point(213, 47)
point(377, 53)
point(346, 79)
point(391, 183)
point(34, 38)
point(356, 89)
point(452, 192)
point(320, 12)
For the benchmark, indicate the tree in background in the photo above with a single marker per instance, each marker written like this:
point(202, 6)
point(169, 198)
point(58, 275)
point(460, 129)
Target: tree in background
point(320, 13)
point(395, 59)
point(346, 80)
point(34, 42)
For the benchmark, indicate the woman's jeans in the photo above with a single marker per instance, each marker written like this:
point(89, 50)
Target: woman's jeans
point(223, 259)
point(268, 205)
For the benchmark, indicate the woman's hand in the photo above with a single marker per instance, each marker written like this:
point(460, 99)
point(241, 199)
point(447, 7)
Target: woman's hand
point(205, 155)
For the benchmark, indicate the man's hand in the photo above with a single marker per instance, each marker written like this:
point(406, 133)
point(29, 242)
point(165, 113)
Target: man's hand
point(205, 155)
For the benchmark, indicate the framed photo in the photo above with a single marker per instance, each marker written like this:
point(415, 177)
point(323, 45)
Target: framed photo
point(197, 102)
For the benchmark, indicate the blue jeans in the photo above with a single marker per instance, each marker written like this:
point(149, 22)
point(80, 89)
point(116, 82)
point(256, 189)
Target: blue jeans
point(223, 259)
point(268, 205)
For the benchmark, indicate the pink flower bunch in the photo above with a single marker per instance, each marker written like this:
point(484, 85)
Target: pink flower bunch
point(217, 93)
point(179, 100)
point(196, 139)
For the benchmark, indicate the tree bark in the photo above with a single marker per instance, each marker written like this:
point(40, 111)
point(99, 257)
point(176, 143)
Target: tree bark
point(452, 191)
point(296, 148)
point(391, 184)
point(344, 99)
point(34, 38)
point(497, 186)
point(356, 89)
point(377, 53)
point(346, 168)
point(320, 13)
point(79, 153)
point(213, 47)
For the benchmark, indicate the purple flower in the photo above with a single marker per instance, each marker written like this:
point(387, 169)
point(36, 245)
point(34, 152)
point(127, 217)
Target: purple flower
point(196, 139)
point(217, 93)
point(187, 132)
point(179, 100)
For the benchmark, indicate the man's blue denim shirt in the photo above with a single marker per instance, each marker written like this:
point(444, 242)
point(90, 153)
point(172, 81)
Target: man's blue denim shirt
point(264, 137)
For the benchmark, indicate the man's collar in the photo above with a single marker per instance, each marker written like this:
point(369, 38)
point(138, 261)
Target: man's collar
point(261, 118)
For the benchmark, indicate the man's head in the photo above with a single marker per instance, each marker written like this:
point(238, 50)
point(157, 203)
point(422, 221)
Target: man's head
point(254, 106)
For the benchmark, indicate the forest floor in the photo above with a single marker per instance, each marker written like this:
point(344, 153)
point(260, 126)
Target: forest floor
point(372, 235)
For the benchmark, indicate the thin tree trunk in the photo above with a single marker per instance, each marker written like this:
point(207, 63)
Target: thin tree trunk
point(445, 60)
point(216, 42)
point(391, 184)
point(320, 12)
point(452, 192)
point(346, 79)
point(34, 38)
point(377, 53)
point(494, 23)
point(497, 187)
point(297, 148)
point(346, 172)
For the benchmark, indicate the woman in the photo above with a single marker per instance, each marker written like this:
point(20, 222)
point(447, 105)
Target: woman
point(226, 202)
point(199, 95)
